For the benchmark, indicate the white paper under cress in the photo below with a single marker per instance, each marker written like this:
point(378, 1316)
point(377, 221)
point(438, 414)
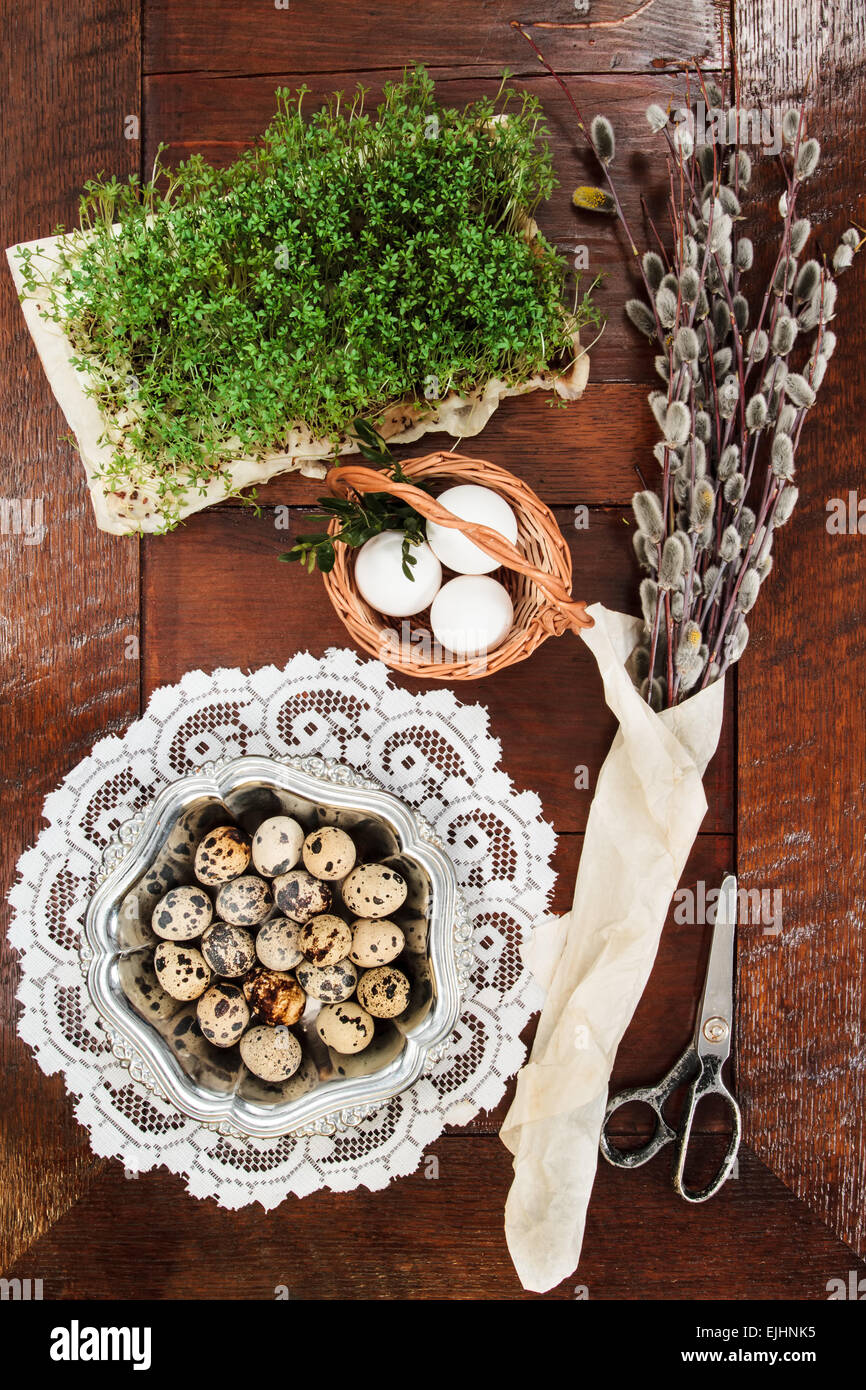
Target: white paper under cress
point(594, 961)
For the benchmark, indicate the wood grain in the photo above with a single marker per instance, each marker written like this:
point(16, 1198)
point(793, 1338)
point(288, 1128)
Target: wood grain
point(201, 609)
point(589, 450)
point(664, 1019)
point(70, 603)
point(436, 1237)
point(308, 36)
point(802, 761)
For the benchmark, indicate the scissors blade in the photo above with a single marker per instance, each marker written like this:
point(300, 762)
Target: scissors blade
point(716, 1015)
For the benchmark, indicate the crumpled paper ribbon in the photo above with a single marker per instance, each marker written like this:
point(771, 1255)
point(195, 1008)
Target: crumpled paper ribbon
point(594, 961)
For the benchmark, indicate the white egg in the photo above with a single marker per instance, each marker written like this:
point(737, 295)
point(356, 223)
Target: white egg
point(471, 503)
point(471, 615)
point(381, 581)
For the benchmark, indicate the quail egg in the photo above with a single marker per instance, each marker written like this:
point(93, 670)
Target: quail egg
point(301, 896)
point(228, 950)
point(329, 983)
point(325, 939)
point(374, 890)
point(345, 1027)
point(383, 991)
point(182, 971)
point(223, 854)
point(277, 845)
point(274, 1054)
point(329, 853)
point(274, 995)
point(278, 944)
point(222, 1014)
point(375, 941)
point(245, 901)
point(182, 914)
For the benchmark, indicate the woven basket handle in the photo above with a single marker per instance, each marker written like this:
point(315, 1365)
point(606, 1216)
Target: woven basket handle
point(355, 478)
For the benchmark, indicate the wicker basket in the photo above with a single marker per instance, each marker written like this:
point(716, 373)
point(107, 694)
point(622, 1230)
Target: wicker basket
point(537, 571)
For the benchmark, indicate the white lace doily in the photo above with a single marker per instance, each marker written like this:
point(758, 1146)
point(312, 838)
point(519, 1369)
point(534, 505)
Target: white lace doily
point(431, 750)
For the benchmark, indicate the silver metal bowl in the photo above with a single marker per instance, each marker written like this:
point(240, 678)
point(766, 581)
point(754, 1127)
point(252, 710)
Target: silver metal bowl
point(157, 1037)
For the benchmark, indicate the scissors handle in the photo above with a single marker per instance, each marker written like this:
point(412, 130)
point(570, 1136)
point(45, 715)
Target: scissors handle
point(707, 1082)
point(655, 1097)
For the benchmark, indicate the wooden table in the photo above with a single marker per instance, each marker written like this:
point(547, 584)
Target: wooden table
point(91, 624)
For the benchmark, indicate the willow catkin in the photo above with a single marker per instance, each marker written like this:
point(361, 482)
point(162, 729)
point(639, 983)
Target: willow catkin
point(671, 566)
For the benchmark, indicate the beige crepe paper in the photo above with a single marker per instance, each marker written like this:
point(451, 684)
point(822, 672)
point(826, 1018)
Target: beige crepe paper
point(594, 962)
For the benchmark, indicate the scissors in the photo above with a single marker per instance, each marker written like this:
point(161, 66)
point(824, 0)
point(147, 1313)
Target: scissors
point(699, 1068)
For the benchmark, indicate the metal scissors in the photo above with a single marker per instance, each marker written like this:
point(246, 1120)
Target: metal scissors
point(699, 1068)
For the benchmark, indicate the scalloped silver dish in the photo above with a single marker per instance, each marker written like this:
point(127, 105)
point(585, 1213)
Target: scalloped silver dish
point(156, 1037)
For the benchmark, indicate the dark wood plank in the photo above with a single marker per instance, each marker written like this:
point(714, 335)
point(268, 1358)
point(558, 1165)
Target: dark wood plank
point(215, 595)
point(436, 1237)
point(802, 762)
point(663, 1021)
point(590, 449)
point(69, 76)
point(308, 38)
point(194, 112)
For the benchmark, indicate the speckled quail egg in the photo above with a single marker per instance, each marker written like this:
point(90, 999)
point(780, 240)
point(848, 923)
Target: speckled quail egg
point(329, 983)
point(325, 939)
point(383, 991)
point(277, 845)
point(222, 1014)
point(274, 1054)
point(415, 931)
point(300, 896)
point(375, 941)
point(329, 853)
point(274, 995)
point(182, 914)
point(223, 854)
point(374, 890)
point(245, 901)
point(228, 950)
point(182, 971)
point(345, 1027)
point(278, 944)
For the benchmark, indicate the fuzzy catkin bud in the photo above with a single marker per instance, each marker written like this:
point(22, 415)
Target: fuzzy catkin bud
point(711, 574)
point(688, 655)
point(703, 426)
point(843, 257)
point(601, 133)
point(646, 552)
point(784, 335)
point(747, 595)
point(735, 487)
point(703, 503)
point(728, 396)
point(782, 457)
point(722, 362)
point(741, 311)
point(746, 523)
point(735, 645)
point(677, 423)
point(730, 544)
point(785, 504)
point(649, 595)
point(648, 515)
point(658, 403)
point(657, 118)
point(745, 254)
point(799, 391)
point(799, 235)
point(758, 345)
point(690, 284)
point(807, 159)
point(687, 344)
point(641, 316)
point(808, 280)
point(684, 141)
point(729, 461)
point(653, 268)
point(790, 126)
point(756, 413)
point(786, 420)
point(671, 566)
point(666, 306)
